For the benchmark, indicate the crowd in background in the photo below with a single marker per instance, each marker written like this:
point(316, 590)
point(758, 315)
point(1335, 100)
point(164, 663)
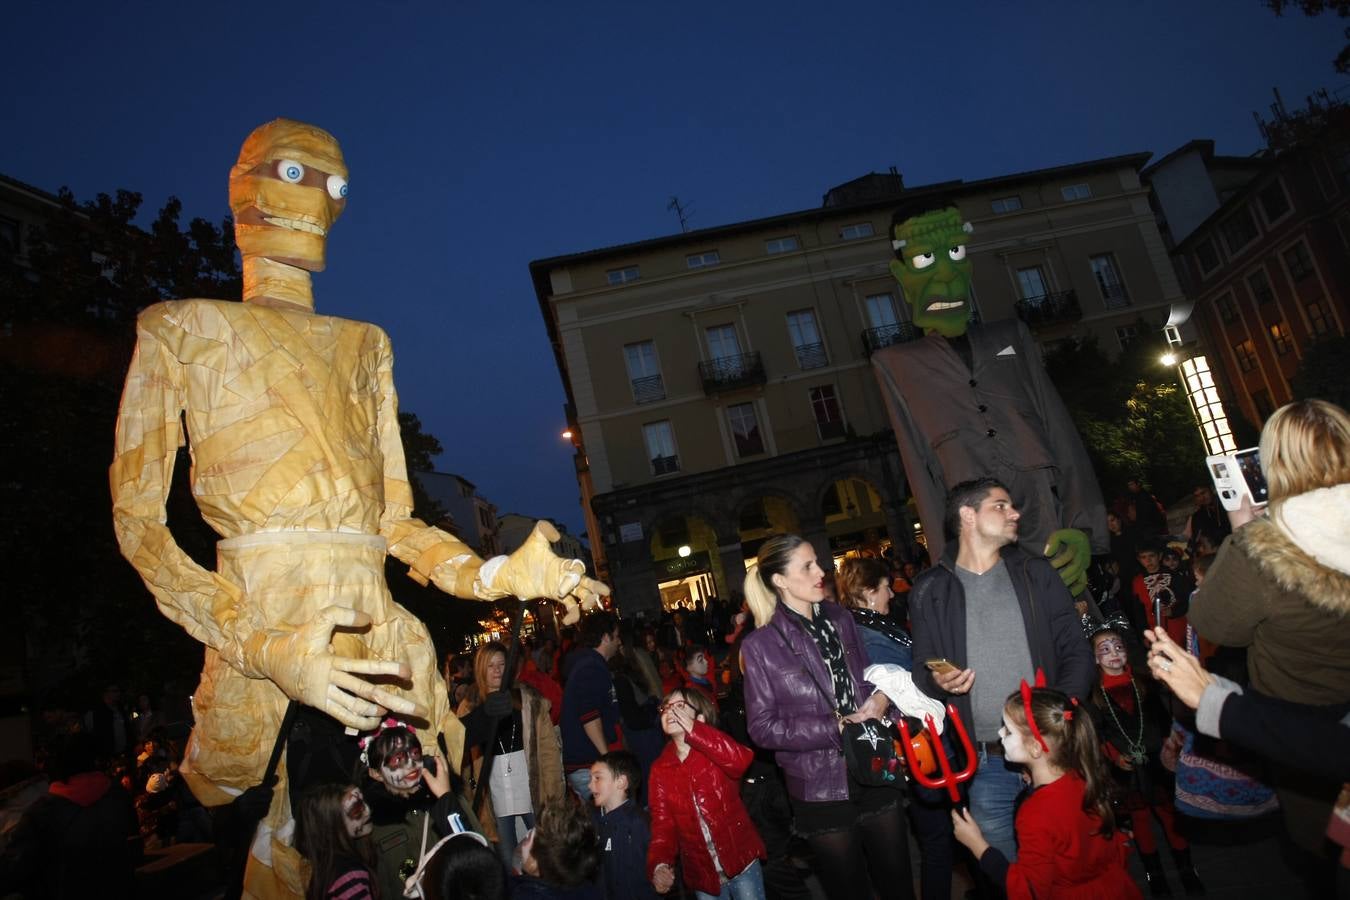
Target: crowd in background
point(699, 752)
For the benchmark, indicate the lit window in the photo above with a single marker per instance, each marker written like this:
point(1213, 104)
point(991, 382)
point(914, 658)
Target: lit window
point(1075, 192)
point(1006, 204)
point(745, 429)
point(1279, 336)
point(780, 245)
point(702, 260)
point(856, 231)
point(622, 276)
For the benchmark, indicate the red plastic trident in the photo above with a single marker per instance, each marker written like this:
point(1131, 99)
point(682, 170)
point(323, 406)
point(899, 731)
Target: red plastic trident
point(949, 779)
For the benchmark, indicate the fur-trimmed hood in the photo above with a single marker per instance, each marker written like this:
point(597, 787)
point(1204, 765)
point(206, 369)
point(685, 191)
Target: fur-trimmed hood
point(1309, 550)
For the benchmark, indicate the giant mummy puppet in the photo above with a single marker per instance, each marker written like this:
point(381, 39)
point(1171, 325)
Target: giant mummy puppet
point(298, 464)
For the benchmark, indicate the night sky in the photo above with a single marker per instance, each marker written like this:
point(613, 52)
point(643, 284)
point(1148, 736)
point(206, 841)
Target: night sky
point(481, 136)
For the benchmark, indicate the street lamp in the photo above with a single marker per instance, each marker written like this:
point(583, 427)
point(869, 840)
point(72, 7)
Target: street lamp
point(1169, 359)
point(567, 435)
point(684, 551)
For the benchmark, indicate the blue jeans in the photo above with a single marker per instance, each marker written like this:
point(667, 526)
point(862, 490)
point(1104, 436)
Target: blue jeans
point(580, 782)
point(993, 795)
point(506, 834)
point(749, 885)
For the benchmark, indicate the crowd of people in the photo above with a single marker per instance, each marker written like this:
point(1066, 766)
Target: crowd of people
point(731, 749)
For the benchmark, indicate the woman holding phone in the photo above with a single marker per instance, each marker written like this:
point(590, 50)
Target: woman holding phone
point(1280, 585)
point(803, 680)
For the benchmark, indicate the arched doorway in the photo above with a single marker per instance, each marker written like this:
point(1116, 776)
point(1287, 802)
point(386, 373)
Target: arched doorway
point(762, 517)
point(688, 566)
point(855, 521)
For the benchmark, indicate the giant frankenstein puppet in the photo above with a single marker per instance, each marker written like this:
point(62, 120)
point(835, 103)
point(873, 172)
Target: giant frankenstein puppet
point(968, 401)
point(298, 465)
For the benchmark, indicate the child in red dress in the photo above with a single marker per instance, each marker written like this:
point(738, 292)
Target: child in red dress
point(1067, 845)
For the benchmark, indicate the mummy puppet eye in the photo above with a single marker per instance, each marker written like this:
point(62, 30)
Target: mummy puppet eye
point(337, 187)
point(290, 171)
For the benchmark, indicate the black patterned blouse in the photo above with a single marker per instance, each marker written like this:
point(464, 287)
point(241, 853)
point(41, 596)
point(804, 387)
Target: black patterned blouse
point(831, 648)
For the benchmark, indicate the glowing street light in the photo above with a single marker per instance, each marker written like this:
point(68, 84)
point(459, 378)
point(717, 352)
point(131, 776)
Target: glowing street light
point(567, 435)
point(684, 551)
point(1169, 359)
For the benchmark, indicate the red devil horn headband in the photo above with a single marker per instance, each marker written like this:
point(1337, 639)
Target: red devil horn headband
point(1026, 705)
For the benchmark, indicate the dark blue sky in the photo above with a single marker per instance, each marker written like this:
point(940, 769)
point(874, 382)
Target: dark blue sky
point(481, 136)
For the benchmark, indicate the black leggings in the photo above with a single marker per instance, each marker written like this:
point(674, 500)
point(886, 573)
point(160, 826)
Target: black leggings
point(870, 857)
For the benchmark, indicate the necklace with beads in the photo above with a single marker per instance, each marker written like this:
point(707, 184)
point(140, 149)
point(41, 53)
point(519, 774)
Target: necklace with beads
point(1134, 749)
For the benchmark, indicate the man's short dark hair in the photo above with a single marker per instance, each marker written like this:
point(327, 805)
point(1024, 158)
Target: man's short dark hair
point(1149, 545)
point(625, 764)
point(595, 626)
point(967, 493)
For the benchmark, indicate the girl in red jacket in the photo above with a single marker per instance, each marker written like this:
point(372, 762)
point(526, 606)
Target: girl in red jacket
point(1067, 845)
point(696, 808)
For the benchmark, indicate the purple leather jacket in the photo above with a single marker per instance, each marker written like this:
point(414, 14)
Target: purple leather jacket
point(786, 709)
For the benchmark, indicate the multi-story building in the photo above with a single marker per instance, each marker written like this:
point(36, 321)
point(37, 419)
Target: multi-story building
point(470, 518)
point(719, 384)
point(1261, 243)
point(514, 528)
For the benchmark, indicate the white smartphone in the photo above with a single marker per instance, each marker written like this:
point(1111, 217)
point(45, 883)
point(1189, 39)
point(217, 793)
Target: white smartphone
point(1237, 475)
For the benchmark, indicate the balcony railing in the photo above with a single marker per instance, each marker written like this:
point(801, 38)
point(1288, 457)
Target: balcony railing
point(1049, 309)
point(812, 356)
point(730, 372)
point(648, 389)
point(664, 465)
point(1114, 295)
point(875, 338)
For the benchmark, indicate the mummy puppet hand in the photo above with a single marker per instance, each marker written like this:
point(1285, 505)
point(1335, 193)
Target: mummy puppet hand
point(535, 571)
point(302, 663)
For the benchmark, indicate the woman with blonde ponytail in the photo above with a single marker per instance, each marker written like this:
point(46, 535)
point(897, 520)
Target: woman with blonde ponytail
point(803, 680)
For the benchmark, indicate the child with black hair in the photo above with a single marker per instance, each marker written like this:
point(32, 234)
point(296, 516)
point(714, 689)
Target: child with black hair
point(460, 866)
point(1134, 725)
point(1067, 844)
point(332, 827)
point(625, 832)
point(403, 790)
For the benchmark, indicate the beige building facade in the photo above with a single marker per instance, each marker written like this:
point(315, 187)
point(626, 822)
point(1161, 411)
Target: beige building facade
point(719, 382)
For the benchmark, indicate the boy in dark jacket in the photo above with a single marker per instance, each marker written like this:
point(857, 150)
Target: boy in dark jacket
point(623, 828)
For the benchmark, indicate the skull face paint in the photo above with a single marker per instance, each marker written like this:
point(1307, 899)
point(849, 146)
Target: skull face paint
point(286, 191)
point(356, 814)
point(401, 770)
point(933, 268)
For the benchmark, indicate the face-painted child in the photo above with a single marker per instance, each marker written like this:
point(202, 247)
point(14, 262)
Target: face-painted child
point(1109, 649)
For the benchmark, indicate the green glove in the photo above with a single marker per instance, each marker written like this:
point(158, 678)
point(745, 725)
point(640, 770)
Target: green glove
point(1070, 553)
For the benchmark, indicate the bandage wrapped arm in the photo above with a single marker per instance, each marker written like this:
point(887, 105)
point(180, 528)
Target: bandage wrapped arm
point(149, 433)
point(898, 684)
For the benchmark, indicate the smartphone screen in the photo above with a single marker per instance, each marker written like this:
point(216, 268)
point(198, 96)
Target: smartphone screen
point(1249, 463)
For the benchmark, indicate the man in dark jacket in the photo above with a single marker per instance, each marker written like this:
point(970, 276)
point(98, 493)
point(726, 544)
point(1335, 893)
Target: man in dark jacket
point(992, 601)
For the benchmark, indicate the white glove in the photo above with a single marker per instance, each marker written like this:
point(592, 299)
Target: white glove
point(897, 684)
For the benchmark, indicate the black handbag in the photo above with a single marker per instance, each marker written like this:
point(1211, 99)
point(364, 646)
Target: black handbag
point(868, 746)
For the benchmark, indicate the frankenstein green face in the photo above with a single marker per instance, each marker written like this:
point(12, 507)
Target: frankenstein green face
point(933, 270)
